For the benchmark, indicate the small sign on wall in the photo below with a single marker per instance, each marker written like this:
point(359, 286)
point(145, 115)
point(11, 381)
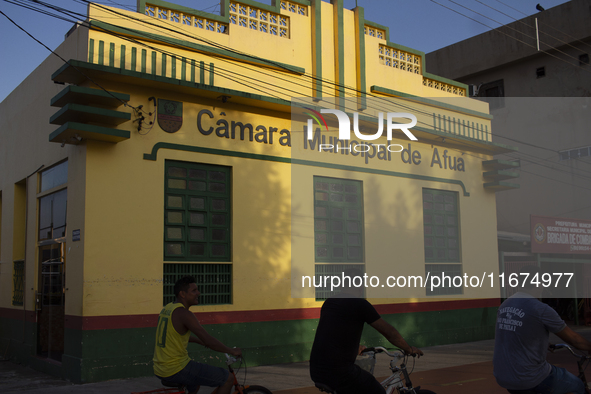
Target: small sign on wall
point(75, 235)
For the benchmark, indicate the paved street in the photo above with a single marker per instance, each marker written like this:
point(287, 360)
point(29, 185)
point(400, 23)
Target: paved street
point(447, 369)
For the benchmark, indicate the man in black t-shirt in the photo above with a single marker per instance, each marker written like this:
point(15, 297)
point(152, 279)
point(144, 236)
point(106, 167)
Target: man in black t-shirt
point(336, 345)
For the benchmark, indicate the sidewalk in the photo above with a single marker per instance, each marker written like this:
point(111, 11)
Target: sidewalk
point(447, 369)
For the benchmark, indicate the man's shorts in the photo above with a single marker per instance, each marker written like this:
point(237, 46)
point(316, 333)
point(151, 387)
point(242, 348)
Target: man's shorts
point(196, 374)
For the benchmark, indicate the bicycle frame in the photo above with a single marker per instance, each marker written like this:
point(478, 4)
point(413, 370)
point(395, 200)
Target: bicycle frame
point(580, 363)
point(399, 374)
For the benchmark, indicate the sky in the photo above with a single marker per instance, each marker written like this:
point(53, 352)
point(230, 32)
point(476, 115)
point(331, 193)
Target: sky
point(425, 25)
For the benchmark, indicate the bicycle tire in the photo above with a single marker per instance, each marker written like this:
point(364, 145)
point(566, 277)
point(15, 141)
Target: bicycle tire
point(256, 390)
point(424, 392)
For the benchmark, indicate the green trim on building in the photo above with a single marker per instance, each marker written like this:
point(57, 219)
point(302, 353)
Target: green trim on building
point(361, 68)
point(91, 51)
point(127, 353)
point(494, 147)
point(133, 59)
point(87, 131)
point(101, 52)
point(446, 80)
point(317, 47)
point(212, 51)
point(84, 113)
point(199, 149)
point(112, 54)
point(84, 95)
point(67, 73)
point(122, 57)
point(428, 101)
point(340, 50)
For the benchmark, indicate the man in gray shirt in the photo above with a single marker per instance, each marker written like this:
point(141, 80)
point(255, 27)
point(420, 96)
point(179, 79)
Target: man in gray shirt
point(521, 342)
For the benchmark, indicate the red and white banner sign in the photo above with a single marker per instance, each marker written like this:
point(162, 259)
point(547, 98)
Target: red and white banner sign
point(560, 235)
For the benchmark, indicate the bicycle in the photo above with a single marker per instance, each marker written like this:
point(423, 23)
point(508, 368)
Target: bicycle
point(582, 362)
point(395, 382)
point(174, 388)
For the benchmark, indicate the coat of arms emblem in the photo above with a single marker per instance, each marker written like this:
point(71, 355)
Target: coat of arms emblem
point(170, 115)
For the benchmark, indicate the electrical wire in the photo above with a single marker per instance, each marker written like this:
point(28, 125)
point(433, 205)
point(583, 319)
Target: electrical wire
point(514, 29)
point(256, 88)
point(550, 26)
point(64, 60)
point(541, 31)
point(515, 38)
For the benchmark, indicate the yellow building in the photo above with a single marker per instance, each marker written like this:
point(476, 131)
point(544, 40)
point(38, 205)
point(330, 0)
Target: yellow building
point(175, 142)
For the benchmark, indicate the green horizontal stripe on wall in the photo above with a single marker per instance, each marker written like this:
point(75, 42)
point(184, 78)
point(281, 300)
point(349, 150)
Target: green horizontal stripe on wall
point(199, 149)
point(98, 355)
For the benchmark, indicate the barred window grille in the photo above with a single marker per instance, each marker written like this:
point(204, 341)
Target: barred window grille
point(260, 20)
point(442, 239)
point(446, 273)
point(444, 87)
point(441, 226)
point(197, 212)
point(320, 270)
point(338, 220)
point(214, 281)
point(18, 282)
point(399, 59)
point(185, 19)
point(374, 32)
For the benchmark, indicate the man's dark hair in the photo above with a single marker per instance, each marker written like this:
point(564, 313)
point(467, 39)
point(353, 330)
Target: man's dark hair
point(183, 284)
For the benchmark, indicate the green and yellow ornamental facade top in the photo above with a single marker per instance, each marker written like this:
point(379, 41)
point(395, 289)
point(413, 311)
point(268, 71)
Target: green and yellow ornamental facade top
point(176, 142)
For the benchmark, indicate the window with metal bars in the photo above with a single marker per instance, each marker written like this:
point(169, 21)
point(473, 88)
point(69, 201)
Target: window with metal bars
point(338, 220)
point(18, 282)
point(442, 237)
point(214, 281)
point(321, 270)
point(197, 212)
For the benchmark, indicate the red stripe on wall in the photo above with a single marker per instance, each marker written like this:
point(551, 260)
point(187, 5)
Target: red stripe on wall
point(18, 314)
point(141, 321)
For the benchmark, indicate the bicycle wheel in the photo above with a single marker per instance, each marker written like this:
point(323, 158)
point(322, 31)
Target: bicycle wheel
point(424, 392)
point(256, 390)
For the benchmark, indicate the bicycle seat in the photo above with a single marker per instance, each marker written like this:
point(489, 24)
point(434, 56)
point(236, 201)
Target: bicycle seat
point(168, 383)
point(324, 388)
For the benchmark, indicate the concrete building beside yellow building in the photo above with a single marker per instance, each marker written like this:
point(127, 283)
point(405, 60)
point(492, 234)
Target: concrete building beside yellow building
point(177, 142)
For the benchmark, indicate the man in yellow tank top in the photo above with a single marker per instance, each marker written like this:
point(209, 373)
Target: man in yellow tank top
point(171, 359)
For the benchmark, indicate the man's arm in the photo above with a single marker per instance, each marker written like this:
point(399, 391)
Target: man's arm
point(574, 339)
point(188, 320)
point(196, 340)
point(394, 337)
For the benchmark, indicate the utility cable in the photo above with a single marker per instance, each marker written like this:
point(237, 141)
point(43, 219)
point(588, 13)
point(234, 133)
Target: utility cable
point(513, 37)
point(65, 61)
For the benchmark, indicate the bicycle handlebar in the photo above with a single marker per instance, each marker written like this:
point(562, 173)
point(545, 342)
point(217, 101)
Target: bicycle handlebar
point(231, 359)
point(565, 346)
point(380, 349)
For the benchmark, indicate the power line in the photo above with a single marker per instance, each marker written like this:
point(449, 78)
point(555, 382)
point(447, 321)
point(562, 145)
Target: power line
point(550, 26)
point(64, 60)
point(543, 32)
point(513, 37)
point(280, 87)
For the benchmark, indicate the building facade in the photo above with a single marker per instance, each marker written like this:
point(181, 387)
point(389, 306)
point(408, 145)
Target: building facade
point(172, 143)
